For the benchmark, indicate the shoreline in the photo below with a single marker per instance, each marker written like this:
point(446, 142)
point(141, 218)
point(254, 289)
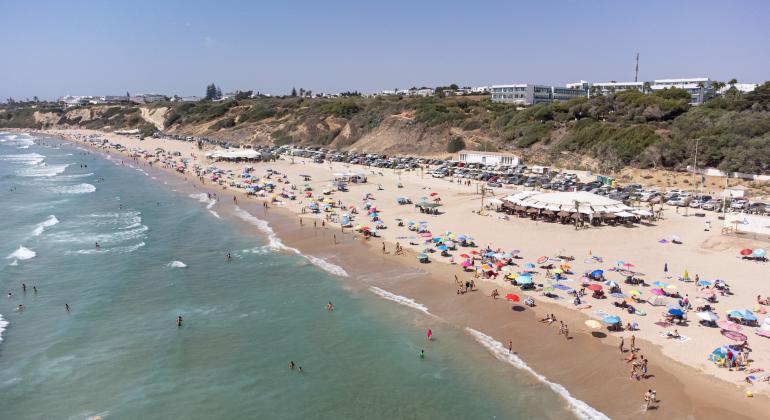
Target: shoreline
point(574, 364)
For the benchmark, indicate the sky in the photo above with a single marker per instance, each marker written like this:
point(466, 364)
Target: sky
point(54, 48)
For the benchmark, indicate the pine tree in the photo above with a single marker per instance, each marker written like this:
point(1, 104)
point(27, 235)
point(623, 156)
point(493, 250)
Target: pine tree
point(293, 92)
point(218, 93)
point(211, 92)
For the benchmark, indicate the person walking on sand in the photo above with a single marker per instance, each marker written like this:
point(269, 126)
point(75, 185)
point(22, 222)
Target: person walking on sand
point(633, 343)
point(383, 247)
point(622, 343)
point(566, 332)
point(510, 347)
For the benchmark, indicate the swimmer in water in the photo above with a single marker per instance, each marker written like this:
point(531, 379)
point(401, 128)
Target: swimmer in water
point(34, 289)
point(67, 307)
point(97, 245)
point(299, 368)
point(329, 306)
point(179, 321)
point(228, 257)
point(422, 354)
point(291, 365)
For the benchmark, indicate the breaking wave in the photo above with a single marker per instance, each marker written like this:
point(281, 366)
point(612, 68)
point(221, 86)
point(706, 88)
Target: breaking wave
point(580, 408)
point(399, 299)
point(74, 189)
point(22, 254)
point(176, 264)
point(40, 228)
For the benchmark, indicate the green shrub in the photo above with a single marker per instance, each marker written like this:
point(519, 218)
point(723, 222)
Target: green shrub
point(455, 145)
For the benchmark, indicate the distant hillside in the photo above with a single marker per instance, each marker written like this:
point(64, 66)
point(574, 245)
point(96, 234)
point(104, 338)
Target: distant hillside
point(605, 133)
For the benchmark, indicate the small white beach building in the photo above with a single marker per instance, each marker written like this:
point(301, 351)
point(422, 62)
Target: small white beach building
point(487, 158)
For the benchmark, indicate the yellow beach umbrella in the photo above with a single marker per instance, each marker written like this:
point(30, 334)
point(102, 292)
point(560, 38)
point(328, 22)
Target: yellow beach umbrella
point(635, 292)
point(671, 286)
point(686, 274)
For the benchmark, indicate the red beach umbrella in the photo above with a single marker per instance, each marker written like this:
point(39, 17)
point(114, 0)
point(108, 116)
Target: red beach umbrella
point(512, 297)
point(595, 287)
point(433, 194)
point(746, 252)
point(464, 256)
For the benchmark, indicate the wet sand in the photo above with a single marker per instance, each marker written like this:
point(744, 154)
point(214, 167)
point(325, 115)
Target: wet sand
point(589, 367)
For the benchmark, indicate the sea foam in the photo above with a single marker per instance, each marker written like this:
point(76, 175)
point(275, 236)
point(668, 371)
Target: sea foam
point(176, 264)
point(276, 243)
point(3, 325)
point(22, 254)
point(580, 408)
point(26, 158)
point(40, 228)
point(399, 299)
point(74, 189)
point(42, 170)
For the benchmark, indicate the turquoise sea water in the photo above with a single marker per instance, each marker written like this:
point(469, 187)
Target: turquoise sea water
point(118, 353)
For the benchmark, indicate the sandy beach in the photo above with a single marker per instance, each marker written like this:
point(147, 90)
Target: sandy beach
point(589, 364)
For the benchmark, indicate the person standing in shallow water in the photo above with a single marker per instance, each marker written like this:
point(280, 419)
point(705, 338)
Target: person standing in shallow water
point(179, 321)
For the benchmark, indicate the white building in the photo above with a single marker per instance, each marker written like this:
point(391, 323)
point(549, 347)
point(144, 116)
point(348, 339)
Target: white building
point(742, 87)
point(487, 158)
point(529, 94)
point(72, 100)
point(699, 88)
point(144, 98)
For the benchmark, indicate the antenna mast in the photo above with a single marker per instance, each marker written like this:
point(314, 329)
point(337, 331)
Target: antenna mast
point(636, 74)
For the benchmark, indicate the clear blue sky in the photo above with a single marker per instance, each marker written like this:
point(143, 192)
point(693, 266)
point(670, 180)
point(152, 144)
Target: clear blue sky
point(52, 48)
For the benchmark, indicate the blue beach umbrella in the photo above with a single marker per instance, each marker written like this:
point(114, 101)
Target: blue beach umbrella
point(618, 295)
point(660, 284)
point(759, 253)
point(442, 247)
point(611, 283)
point(524, 280)
point(529, 265)
point(611, 320)
point(597, 273)
point(676, 312)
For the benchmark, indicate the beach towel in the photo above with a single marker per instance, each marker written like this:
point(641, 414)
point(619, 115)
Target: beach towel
point(663, 324)
point(601, 314)
point(680, 339)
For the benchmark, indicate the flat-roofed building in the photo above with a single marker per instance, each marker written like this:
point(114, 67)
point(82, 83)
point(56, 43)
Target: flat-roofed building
point(699, 88)
point(530, 94)
point(487, 158)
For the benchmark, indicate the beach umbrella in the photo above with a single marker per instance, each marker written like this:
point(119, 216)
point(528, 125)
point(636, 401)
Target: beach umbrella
point(465, 264)
point(566, 267)
point(433, 194)
point(676, 312)
point(611, 320)
point(436, 239)
point(597, 273)
point(593, 324)
point(512, 297)
point(759, 253)
point(595, 287)
point(442, 247)
point(558, 271)
point(563, 287)
point(461, 237)
point(658, 292)
point(524, 280)
point(628, 265)
point(734, 335)
point(619, 262)
point(671, 286)
point(610, 283)
point(426, 234)
point(474, 252)
point(486, 267)
point(746, 252)
point(703, 283)
point(529, 265)
point(618, 295)
point(635, 292)
point(659, 284)
point(507, 255)
point(449, 243)
point(542, 260)
point(743, 314)
point(708, 316)
point(464, 256)
point(489, 254)
point(729, 325)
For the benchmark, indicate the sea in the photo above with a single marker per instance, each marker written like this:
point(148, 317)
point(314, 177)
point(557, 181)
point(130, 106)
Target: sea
point(117, 353)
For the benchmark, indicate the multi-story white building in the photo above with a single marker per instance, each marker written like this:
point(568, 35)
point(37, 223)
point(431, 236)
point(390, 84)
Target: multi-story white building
point(606, 88)
point(699, 88)
point(529, 94)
